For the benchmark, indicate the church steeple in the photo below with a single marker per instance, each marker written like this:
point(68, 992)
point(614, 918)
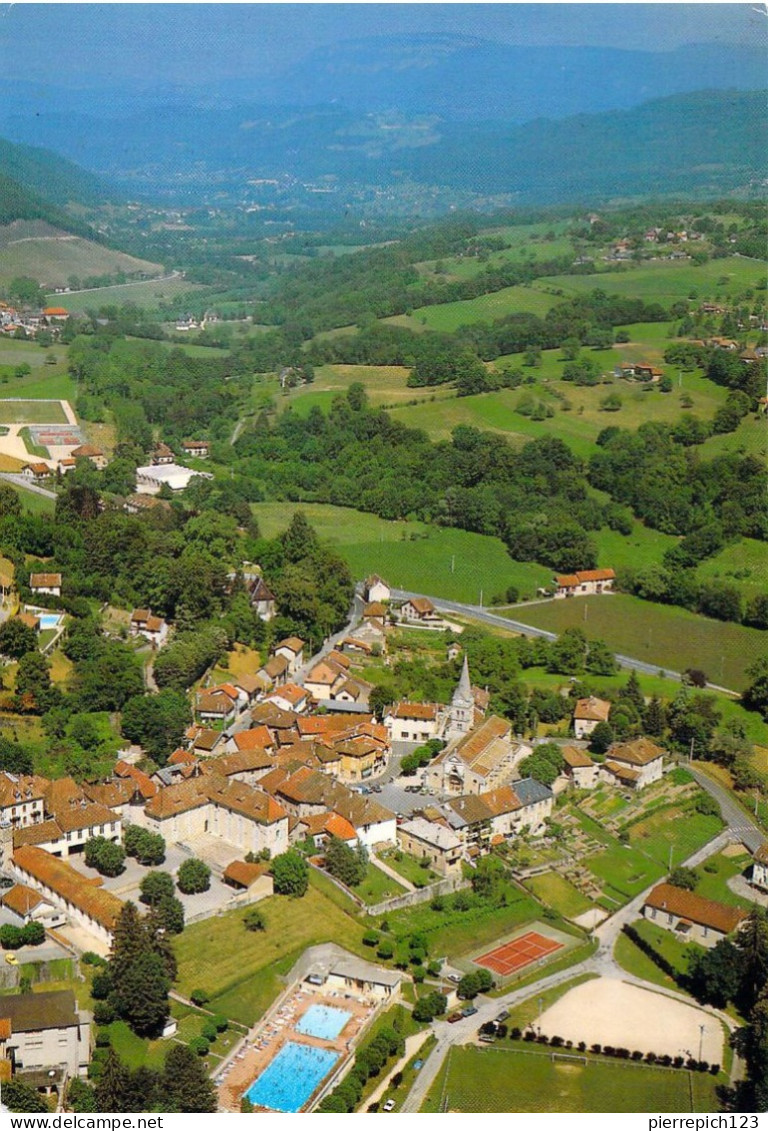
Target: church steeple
point(461, 712)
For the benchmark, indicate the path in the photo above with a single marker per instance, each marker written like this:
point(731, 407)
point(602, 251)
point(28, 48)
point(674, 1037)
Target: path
point(479, 613)
point(393, 875)
point(133, 283)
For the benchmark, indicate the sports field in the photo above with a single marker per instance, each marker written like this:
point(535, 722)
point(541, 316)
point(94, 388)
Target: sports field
point(31, 412)
point(513, 956)
point(514, 1079)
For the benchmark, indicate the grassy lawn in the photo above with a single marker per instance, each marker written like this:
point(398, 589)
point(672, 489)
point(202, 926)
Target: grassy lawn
point(666, 944)
point(31, 412)
point(557, 892)
point(409, 867)
point(384, 384)
point(454, 933)
point(377, 886)
point(240, 969)
point(448, 316)
point(673, 828)
point(623, 872)
point(511, 1079)
point(659, 634)
point(714, 876)
point(743, 563)
point(455, 564)
point(34, 503)
point(631, 958)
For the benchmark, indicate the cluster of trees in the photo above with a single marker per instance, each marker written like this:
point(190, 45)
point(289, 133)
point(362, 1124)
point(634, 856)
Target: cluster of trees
point(290, 874)
point(545, 764)
point(736, 971)
point(105, 856)
point(134, 984)
point(477, 982)
point(369, 1061)
point(12, 937)
point(349, 865)
point(431, 1005)
point(182, 1084)
point(158, 892)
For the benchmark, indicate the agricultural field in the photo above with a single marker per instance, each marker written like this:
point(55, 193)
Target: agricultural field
point(384, 384)
point(667, 282)
point(578, 416)
point(146, 295)
point(39, 251)
point(662, 635)
point(515, 1079)
point(441, 561)
point(448, 316)
point(743, 563)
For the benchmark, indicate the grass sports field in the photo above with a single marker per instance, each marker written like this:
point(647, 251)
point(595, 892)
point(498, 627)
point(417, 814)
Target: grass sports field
point(661, 635)
point(511, 1079)
point(31, 412)
point(411, 555)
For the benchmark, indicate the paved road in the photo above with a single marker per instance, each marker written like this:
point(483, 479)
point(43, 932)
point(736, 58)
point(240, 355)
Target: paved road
point(477, 612)
point(20, 481)
point(133, 283)
point(741, 826)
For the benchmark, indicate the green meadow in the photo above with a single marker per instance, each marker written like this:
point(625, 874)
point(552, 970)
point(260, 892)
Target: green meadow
point(661, 635)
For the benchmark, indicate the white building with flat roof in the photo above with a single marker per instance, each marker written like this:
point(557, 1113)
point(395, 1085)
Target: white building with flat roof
point(150, 479)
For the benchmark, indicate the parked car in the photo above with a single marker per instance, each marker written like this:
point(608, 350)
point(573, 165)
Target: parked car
point(417, 1064)
point(389, 1105)
point(469, 1011)
point(455, 978)
point(501, 1016)
point(454, 1017)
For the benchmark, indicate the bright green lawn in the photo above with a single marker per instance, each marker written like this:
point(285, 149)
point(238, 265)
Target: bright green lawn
point(409, 868)
point(665, 943)
point(377, 886)
point(457, 933)
point(557, 892)
point(448, 316)
point(714, 885)
point(34, 503)
point(455, 564)
point(31, 412)
point(506, 1079)
point(658, 634)
point(634, 961)
point(672, 828)
point(240, 969)
point(743, 563)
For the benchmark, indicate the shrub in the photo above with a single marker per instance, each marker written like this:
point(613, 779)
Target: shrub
point(103, 1039)
point(199, 1045)
point(385, 950)
point(221, 1023)
point(254, 920)
point(199, 997)
point(32, 934)
point(193, 876)
point(91, 959)
point(103, 1013)
point(10, 937)
point(102, 986)
point(714, 1069)
point(156, 886)
point(370, 938)
point(209, 1031)
point(438, 903)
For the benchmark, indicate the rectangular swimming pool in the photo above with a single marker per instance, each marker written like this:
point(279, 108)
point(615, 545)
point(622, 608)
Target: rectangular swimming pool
point(290, 1079)
point(323, 1021)
point(49, 620)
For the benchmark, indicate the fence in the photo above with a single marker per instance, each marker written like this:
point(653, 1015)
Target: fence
point(421, 895)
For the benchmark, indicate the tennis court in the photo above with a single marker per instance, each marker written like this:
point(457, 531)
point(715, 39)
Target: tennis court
point(514, 955)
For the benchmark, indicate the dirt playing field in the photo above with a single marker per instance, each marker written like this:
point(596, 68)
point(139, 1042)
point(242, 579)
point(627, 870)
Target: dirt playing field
point(512, 956)
point(608, 1011)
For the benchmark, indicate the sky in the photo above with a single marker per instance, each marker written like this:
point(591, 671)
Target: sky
point(195, 44)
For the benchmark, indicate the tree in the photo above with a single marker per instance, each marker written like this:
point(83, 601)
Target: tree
point(148, 848)
point(193, 876)
point(682, 877)
point(105, 856)
point(600, 659)
point(544, 764)
point(112, 1085)
point(432, 1005)
point(170, 914)
point(487, 877)
point(140, 973)
point(33, 684)
point(17, 638)
point(755, 696)
point(156, 722)
point(345, 863)
point(290, 873)
point(185, 1083)
point(601, 738)
point(20, 1097)
point(156, 886)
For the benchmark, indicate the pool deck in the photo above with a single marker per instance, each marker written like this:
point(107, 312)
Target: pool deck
point(277, 1028)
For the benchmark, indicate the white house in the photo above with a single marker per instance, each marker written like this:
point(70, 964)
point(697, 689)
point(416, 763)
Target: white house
point(588, 713)
point(292, 648)
point(585, 583)
point(760, 867)
point(376, 589)
point(412, 722)
point(45, 583)
point(634, 764)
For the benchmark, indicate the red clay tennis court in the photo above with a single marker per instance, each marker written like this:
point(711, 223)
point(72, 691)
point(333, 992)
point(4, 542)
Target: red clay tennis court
point(512, 956)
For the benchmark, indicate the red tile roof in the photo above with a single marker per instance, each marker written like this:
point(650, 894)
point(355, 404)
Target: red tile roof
point(688, 905)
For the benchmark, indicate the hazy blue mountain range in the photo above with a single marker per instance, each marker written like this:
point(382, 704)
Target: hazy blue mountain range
point(711, 141)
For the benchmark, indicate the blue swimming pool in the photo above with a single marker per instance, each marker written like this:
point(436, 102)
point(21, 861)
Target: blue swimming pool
point(287, 1083)
point(323, 1021)
point(49, 620)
